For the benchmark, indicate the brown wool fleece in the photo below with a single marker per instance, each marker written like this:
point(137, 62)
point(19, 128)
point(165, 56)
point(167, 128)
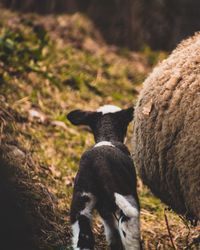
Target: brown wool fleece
point(166, 140)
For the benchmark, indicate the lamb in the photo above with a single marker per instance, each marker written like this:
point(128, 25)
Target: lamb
point(166, 136)
point(106, 181)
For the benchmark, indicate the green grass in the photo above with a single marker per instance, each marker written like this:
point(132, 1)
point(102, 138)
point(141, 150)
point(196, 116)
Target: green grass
point(45, 71)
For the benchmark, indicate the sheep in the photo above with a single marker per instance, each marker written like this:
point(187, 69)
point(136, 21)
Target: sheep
point(166, 137)
point(106, 181)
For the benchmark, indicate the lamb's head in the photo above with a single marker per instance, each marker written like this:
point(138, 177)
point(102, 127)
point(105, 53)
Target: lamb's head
point(108, 123)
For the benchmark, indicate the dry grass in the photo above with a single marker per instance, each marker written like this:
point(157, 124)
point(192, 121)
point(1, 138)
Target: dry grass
point(69, 66)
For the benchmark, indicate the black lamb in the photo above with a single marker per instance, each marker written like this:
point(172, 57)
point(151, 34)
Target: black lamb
point(106, 181)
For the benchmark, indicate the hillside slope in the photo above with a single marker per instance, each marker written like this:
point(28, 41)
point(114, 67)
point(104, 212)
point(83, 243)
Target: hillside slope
point(51, 65)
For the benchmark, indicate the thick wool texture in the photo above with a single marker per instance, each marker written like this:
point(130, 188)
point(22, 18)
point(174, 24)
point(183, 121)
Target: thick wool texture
point(166, 136)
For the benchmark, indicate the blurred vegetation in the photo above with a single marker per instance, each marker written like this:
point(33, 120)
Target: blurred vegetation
point(153, 57)
point(51, 65)
point(159, 23)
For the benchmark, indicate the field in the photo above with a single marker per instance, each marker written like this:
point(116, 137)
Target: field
point(51, 65)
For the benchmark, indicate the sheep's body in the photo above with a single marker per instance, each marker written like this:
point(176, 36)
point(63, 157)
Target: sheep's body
point(106, 181)
point(166, 137)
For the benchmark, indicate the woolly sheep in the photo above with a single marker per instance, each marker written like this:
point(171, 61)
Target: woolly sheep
point(166, 139)
point(106, 181)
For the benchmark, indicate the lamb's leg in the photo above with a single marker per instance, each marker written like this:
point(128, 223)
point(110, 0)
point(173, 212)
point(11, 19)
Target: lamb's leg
point(111, 232)
point(129, 225)
point(81, 214)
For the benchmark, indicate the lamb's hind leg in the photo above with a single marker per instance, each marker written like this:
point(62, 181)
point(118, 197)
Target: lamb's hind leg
point(111, 232)
point(129, 225)
point(81, 214)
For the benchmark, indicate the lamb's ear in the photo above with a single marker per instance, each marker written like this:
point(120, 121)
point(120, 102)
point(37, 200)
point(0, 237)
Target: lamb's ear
point(128, 114)
point(79, 117)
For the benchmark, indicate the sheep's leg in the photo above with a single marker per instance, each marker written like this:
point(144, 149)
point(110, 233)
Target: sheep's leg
point(81, 214)
point(111, 232)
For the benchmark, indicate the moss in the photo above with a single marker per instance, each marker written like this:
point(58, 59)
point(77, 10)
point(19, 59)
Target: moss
point(153, 57)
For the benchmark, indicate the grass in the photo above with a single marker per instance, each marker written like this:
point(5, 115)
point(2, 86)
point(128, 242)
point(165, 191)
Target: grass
point(51, 65)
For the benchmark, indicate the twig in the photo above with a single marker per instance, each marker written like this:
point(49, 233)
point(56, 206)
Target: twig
point(188, 234)
point(1, 131)
point(169, 232)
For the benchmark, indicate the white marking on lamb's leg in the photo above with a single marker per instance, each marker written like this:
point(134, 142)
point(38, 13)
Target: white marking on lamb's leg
point(75, 232)
point(89, 206)
point(82, 232)
point(130, 233)
point(127, 204)
point(108, 109)
point(129, 224)
point(104, 143)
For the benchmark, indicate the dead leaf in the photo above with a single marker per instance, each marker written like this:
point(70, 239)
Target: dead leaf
point(147, 108)
point(59, 124)
point(33, 113)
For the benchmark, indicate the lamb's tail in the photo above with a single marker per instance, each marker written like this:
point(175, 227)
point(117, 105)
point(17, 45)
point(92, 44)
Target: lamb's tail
point(130, 210)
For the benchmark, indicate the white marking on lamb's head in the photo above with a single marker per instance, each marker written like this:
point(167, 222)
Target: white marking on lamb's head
point(106, 109)
point(129, 225)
